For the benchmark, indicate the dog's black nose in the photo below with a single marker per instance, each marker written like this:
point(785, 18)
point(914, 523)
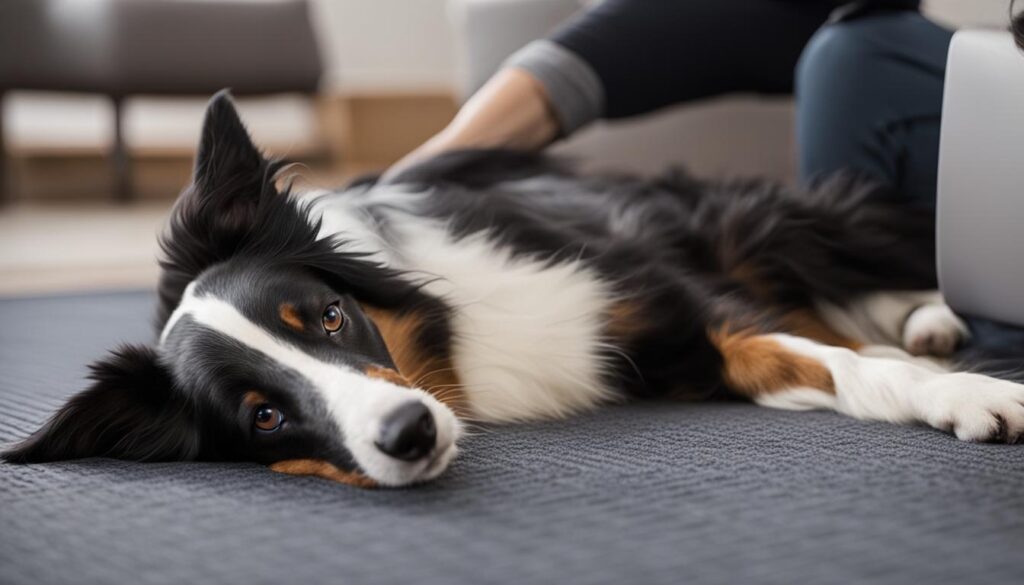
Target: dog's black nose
point(408, 433)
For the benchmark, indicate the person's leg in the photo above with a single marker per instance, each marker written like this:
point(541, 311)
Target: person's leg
point(622, 58)
point(869, 99)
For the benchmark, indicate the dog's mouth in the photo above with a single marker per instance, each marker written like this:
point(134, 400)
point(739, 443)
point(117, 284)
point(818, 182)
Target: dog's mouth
point(437, 464)
point(428, 469)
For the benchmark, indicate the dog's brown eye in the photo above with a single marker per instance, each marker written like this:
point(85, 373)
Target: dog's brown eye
point(266, 418)
point(332, 319)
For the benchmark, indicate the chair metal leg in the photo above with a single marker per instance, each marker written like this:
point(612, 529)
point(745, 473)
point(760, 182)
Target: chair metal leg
point(120, 158)
point(5, 194)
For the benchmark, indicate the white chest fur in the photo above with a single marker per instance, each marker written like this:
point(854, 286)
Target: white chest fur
point(527, 336)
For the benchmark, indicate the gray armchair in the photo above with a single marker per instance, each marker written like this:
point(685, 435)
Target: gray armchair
point(129, 47)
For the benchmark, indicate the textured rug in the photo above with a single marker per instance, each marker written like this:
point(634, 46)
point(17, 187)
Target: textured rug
point(646, 493)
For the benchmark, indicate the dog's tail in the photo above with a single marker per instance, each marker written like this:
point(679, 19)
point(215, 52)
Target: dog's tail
point(832, 242)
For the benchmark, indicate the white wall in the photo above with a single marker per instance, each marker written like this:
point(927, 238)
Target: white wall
point(385, 44)
point(987, 13)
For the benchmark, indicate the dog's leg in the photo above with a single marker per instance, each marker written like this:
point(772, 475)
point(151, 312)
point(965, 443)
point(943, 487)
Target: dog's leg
point(809, 324)
point(920, 322)
point(783, 371)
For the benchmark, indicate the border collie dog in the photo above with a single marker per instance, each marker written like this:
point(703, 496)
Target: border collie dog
point(345, 334)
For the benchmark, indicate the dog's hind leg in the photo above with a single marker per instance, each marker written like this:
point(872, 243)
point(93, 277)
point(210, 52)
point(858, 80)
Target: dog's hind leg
point(810, 324)
point(783, 371)
point(919, 322)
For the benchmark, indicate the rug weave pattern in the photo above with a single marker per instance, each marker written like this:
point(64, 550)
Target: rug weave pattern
point(646, 493)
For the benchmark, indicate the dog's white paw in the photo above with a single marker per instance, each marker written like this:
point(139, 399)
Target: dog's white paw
point(977, 408)
point(934, 330)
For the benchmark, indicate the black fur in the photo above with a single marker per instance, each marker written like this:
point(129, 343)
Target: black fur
point(131, 411)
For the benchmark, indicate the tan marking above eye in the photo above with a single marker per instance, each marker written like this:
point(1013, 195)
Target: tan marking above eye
point(290, 316)
point(323, 469)
point(252, 399)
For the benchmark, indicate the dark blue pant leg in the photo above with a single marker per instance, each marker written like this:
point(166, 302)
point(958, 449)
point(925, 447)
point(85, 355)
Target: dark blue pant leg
point(869, 98)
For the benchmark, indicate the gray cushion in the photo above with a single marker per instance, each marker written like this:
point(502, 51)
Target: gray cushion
point(124, 47)
point(647, 493)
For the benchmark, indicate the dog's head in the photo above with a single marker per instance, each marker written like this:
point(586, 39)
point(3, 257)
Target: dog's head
point(270, 344)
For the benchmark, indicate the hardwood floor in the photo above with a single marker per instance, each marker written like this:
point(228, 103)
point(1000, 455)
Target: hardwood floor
point(55, 246)
point(61, 232)
point(72, 248)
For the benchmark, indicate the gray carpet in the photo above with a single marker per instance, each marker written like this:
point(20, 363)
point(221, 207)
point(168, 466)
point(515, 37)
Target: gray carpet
point(649, 493)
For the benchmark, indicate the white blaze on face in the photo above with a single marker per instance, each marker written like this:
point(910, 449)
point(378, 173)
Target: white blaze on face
point(358, 403)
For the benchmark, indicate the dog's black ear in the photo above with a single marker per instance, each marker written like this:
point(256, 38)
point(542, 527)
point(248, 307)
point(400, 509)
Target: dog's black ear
point(131, 411)
point(226, 154)
point(216, 215)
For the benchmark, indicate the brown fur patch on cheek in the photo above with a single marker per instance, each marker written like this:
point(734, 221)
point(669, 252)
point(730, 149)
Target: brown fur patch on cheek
point(290, 316)
point(758, 364)
point(388, 375)
point(323, 469)
point(420, 366)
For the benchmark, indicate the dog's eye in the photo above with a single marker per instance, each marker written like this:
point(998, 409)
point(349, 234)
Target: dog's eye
point(332, 319)
point(267, 419)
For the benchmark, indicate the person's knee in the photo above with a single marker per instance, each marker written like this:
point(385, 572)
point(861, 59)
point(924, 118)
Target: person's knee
point(834, 120)
point(861, 86)
point(891, 42)
point(831, 53)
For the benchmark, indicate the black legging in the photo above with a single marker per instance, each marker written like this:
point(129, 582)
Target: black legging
point(653, 53)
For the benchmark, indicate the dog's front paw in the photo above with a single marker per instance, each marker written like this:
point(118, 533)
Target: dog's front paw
point(933, 330)
point(978, 409)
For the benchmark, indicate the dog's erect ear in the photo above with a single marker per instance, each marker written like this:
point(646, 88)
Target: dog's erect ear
point(216, 214)
point(131, 411)
point(226, 153)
